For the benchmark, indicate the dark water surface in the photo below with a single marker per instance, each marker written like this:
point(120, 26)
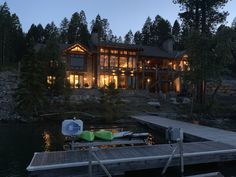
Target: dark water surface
point(19, 141)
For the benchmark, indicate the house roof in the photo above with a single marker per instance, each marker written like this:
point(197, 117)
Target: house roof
point(145, 51)
point(120, 45)
point(150, 51)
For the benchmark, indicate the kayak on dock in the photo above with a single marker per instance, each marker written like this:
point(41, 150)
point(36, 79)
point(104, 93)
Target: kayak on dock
point(87, 136)
point(104, 135)
point(108, 135)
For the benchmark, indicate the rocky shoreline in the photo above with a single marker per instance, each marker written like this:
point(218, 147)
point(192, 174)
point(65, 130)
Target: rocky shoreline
point(8, 85)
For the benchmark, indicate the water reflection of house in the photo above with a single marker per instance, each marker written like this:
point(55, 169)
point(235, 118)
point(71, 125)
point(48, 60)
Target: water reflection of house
point(128, 66)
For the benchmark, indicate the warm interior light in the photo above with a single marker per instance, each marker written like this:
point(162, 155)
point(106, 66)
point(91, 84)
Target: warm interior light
point(77, 49)
point(148, 80)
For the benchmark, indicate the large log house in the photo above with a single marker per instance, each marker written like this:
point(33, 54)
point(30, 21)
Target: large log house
point(127, 66)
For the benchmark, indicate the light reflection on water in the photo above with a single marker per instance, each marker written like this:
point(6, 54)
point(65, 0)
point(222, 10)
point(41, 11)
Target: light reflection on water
point(47, 141)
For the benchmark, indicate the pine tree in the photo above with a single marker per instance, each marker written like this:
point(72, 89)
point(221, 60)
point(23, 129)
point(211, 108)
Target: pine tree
point(11, 36)
point(36, 34)
point(30, 93)
point(138, 38)
point(129, 38)
point(101, 27)
point(78, 29)
point(201, 17)
point(54, 67)
point(146, 32)
point(204, 15)
point(233, 25)
point(64, 31)
point(51, 31)
point(119, 40)
point(83, 33)
point(176, 31)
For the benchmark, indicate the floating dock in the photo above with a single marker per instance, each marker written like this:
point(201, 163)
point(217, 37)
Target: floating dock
point(219, 146)
point(200, 131)
point(122, 159)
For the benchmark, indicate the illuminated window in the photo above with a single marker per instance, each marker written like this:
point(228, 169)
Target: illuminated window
point(123, 52)
point(76, 81)
point(132, 53)
point(51, 80)
point(104, 80)
point(123, 62)
point(104, 61)
point(132, 62)
point(102, 50)
point(107, 79)
point(114, 51)
point(113, 61)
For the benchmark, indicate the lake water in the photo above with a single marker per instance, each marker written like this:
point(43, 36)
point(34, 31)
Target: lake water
point(19, 141)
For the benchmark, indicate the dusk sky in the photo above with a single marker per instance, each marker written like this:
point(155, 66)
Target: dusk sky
point(121, 14)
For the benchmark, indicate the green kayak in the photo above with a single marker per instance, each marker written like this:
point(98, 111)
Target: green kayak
point(104, 135)
point(87, 136)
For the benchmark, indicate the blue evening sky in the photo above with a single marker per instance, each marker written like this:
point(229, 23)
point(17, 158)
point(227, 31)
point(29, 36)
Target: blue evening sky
point(122, 15)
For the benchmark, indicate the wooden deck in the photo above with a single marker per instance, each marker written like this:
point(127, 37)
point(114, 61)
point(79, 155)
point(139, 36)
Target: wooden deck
point(204, 132)
point(121, 159)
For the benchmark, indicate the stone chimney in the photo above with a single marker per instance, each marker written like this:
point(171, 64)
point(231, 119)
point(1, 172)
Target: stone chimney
point(94, 38)
point(168, 45)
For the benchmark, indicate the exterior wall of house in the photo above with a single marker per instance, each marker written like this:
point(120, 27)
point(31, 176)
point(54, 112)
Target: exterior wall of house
point(125, 68)
point(118, 66)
